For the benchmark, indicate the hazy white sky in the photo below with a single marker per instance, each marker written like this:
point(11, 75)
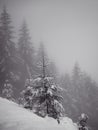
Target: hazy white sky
point(69, 29)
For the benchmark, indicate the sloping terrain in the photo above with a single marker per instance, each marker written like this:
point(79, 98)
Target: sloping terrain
point(13, 117)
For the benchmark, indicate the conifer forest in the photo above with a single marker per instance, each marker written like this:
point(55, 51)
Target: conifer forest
point(31, 78)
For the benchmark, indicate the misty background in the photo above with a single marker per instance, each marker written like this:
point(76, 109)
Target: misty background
point(65, 32)
point(69, 27)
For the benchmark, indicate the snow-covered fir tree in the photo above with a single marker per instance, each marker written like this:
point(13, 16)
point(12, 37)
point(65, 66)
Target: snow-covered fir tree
point(26, 96)
point(7, 91)
point(43, 95)
point(48, 97)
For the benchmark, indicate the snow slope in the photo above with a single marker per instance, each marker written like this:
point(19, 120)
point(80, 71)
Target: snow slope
point(13, 117)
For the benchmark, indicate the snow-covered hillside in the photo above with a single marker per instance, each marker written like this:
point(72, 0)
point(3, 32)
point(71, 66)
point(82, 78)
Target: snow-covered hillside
point(13, 117)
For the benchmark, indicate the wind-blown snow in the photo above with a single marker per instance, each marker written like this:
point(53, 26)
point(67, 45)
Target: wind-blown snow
point(13, 117)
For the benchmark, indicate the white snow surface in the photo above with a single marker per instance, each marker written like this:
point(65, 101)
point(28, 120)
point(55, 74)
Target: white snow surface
point(14, 117)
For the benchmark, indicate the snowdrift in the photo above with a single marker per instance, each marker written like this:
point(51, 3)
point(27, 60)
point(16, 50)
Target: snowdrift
point(13, 117)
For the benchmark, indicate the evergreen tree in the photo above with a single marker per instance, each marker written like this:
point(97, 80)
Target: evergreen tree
point(76, 79)
point(27, 96)
point(7, 91)
point(46, 99)
point(26, 52)
point(7, 48)
point(42, 60)
point(52, 71)
point(49, 65)
point(76, 73)
point(43, 96)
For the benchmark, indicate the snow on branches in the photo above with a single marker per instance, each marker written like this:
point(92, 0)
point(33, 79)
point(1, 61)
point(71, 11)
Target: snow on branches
point(42, 95)
point(7, 91)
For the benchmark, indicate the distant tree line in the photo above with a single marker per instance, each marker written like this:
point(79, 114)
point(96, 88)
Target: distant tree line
point(19, 60)
point(80, 95)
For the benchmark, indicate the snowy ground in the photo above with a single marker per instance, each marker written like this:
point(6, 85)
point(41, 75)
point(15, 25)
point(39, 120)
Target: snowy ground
point(13, 117)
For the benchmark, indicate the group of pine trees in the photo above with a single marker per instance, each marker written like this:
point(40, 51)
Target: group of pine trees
point(18, 58)
point(19, 63)
point(23, 69)
point(80, 95)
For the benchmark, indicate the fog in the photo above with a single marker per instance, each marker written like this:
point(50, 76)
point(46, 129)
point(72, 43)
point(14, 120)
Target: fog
point(68, 28)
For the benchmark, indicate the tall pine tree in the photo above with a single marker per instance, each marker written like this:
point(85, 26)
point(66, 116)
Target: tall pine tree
point(26, 52)
point(7, 48)
point(43, 93)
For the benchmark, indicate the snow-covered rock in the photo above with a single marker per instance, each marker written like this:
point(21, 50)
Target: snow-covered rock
point(13, 117)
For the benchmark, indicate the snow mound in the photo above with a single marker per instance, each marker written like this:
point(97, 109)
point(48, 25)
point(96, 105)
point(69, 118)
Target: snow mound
point(13, 117)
